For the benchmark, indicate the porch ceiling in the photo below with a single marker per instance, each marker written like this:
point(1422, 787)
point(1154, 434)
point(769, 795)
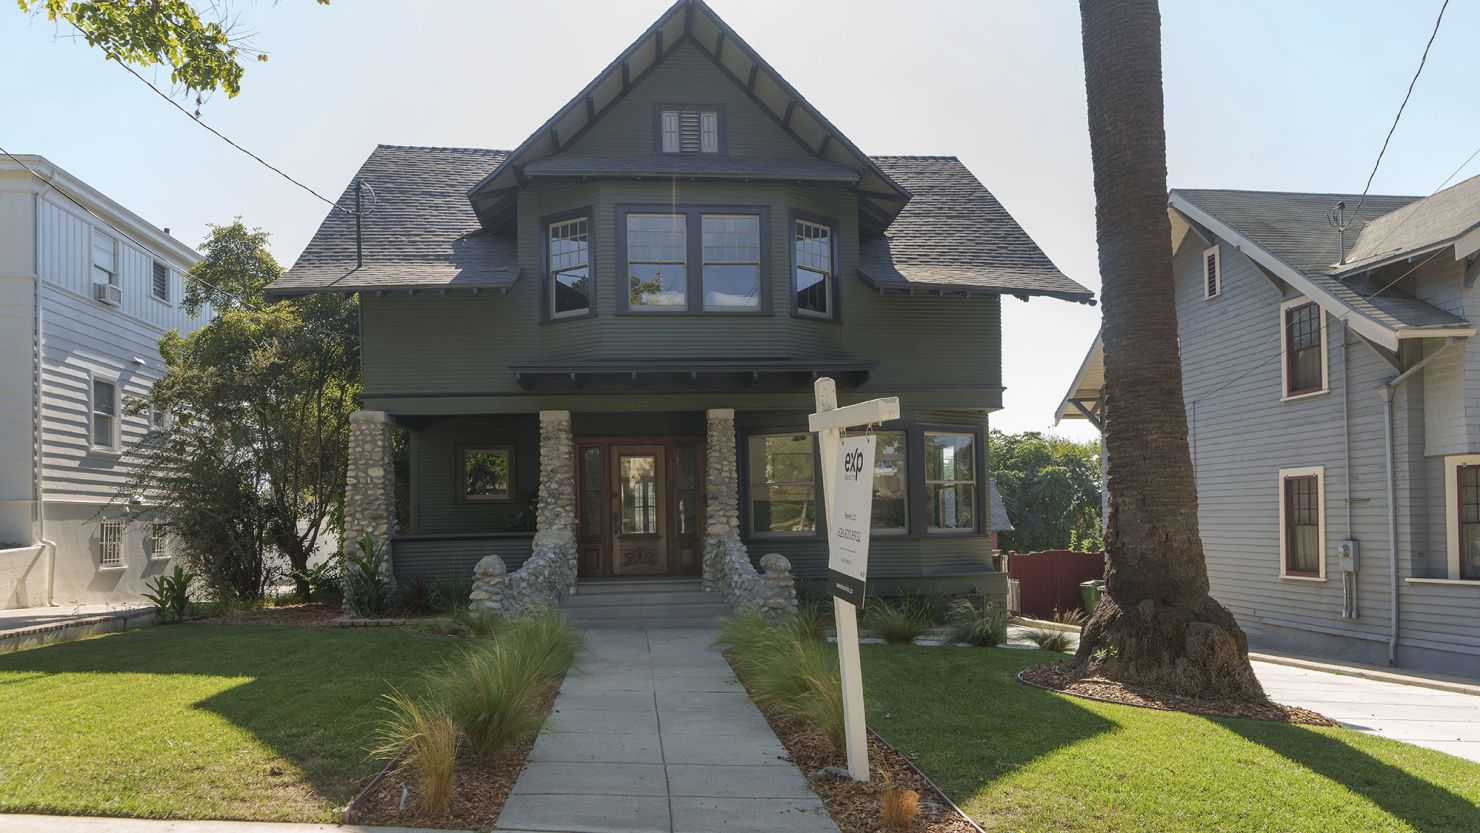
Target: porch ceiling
point(709, 374)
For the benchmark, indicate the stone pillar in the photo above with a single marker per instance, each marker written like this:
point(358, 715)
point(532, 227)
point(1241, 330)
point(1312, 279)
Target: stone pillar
point(370, 483)
point(721, 495)
point(555, 514)
point(778, 588)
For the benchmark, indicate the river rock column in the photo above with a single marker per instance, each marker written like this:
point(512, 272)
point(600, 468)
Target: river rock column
point(370, 483)
point(555, 514)
point(721, 494)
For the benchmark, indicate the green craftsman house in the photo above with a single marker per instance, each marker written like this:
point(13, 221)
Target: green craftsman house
point(601, 345)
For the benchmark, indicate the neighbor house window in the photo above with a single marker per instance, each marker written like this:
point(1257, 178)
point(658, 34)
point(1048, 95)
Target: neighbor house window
point(104, 258)
point(1302, 523)
point(110, 544)
point(732, 261)
point(657, 261)
point(570, 268)
point(161, 282)
point(104, 406)
point(1212, 272)
point(783, 485)
point(950, 481)
point(689, 131)
point(1469, 522)
point(1305, 349)
point(814, 269)
point(486, 474)
point(890, 512)
point(159, 541)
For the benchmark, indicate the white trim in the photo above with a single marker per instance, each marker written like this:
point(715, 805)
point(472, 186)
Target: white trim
point(115, 441)
point(1320, 474)
point(1285, 395)
point(1458, 582)
point(159, 545)
point(1451, 512)
point(1064, 411)
point(1217, 254)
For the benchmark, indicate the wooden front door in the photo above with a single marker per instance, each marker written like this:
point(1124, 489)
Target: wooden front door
point(640, 505)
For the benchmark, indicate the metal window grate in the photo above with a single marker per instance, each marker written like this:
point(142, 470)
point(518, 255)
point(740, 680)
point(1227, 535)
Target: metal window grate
point(159, 541)
point(110, 544)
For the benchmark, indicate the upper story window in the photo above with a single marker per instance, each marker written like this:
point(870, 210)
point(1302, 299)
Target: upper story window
point(160, 286)
point(1305, 348)
point(693, 260)
point(732, 261)
point(657, 261)
point(814, 269)
point(1212, 272)
point(104, 258)
point(569, 257)
point(103, 430)
point(689, 130)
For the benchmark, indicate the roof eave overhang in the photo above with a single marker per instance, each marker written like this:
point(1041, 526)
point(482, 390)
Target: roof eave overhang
point(971, 290)
point(1096, 353)
point(500, 287)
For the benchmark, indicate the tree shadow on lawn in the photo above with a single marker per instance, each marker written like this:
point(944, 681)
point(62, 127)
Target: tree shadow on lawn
point(1424, 805)
point(311, 695)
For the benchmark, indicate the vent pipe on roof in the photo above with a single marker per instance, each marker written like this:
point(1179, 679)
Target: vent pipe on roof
point(1338, 220)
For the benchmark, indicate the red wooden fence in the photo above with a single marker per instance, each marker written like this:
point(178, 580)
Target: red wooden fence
point(1049, 580)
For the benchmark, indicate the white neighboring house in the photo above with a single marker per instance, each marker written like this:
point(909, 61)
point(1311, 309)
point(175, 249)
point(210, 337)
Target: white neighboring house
point(87, 288)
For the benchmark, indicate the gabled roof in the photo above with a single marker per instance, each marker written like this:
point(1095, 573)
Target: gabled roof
point(1449, 216)
point(954, 236)
point(417, 231)
point(1288, 235)
point(1086, 387)
point(881, 198)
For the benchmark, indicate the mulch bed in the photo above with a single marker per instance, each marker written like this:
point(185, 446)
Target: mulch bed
point(306, 613)
point(478, 797)
point(855, 806)
point(1056, 677)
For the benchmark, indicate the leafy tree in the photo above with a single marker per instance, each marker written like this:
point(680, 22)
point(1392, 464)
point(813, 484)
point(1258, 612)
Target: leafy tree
point(202, 55)
point(251, 466)
point(1157, 626)
point(1051, 486)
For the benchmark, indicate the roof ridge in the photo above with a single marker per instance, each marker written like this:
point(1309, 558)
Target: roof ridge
point(932, 156)
point(440, 147)
point(1297, 193)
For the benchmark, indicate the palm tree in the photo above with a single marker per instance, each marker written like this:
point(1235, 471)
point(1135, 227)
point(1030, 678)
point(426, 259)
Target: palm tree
point(1157, 626)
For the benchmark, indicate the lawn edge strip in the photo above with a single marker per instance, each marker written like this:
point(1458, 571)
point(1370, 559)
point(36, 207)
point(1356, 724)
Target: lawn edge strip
point(950, 802)
point(1194, 707)
point(351, 812)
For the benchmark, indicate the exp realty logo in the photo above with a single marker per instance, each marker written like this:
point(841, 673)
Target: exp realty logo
point(852, 464)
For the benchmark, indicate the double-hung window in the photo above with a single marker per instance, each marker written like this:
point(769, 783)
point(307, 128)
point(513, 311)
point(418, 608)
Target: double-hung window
point(657, 261)
point(103, 419)
point(569, 257)
point(1468, 482)
point(1305, 348)
point(783, 484)
point(1302, 522)
point(104, 258)
point(950, 481)
point(732, 262)
point(692, 259)
point(813, 260)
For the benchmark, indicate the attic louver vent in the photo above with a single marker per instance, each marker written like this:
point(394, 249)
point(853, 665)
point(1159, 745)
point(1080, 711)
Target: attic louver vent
point(1212, 273)
point(689, 131)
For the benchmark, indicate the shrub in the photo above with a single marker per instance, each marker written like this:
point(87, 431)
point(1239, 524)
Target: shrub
point(1051, 640)
point(479, 623)
point(366, 592)
point(788, 670)
point(323, 581)
point(170, 595)
point(1074, 617)
point(419, 595)
point(981, 627)
point(429, 737)
point(546, 637)
point(899, 621)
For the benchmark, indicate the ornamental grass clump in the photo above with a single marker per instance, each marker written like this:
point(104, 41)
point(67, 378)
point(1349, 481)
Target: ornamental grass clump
point(898, 805)
point(426, 737)
point(980, 627)
point(900, 621)
point(788, 670)
point(1050, 640)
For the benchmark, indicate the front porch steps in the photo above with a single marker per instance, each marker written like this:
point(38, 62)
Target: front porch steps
point(643, 604)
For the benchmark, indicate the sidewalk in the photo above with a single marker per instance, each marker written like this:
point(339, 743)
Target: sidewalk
point(29, 627)
point(83, 824)
point(653, 734)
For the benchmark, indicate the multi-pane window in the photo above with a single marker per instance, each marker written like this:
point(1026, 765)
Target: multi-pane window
point(104, 422)
point(159, 541)
point(732, 261)
point(686, 489)
point(891, 504)
point(160, 285)
point(590, 500)
point(783, 484)
point(950, 481)
point(1302, 508)
point(689, 131)
point(637, 481)
point(1469, 522)
point(570, 268)
point(657, 261)
point(104, 258)
point(486, 474)
point(814, 269)
point(1304, 343)
point(110, 544)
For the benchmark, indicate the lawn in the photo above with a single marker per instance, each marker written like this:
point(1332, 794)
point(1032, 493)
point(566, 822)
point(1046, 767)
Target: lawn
point(1021, 759)
point(200, 721)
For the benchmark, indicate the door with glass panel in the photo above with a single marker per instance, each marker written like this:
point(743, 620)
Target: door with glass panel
point(639, 510)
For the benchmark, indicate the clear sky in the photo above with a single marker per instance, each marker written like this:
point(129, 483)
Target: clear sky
point(1263, 94)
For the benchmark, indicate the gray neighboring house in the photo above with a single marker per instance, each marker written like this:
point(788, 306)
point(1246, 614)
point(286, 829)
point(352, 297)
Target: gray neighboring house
point(1333, 398)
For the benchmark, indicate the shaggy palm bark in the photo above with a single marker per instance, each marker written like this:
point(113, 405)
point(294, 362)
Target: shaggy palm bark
point(1157, 626)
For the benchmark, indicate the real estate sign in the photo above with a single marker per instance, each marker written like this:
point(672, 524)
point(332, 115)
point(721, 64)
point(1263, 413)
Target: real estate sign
point(852, 511)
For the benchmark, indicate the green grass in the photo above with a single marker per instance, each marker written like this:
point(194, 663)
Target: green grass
point(1021, 759)
point(192, 721)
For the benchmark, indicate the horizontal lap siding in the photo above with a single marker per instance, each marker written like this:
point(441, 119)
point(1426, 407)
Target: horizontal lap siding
point(454, 558)
point(434, 461)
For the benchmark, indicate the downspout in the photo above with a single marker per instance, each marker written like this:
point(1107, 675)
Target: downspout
point(1386, 391)
point(37, 380)
point(1349, 607)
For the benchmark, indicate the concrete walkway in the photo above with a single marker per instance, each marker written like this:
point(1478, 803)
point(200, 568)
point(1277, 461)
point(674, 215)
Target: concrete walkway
point(83, 824)
point(653, 734)
point(30, 617)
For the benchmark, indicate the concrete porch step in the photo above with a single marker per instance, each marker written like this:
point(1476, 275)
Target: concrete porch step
point(582, 599)
point(660, 602)
point(637, 611)
point(593, 586)
point(645, 622)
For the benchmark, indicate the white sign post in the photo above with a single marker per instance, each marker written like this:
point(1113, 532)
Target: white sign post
point(848, 540)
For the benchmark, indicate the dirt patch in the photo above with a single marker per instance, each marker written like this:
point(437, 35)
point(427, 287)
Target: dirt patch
point(855, 806)
point(1056, 677)
point(299, 615)
point(478, 795)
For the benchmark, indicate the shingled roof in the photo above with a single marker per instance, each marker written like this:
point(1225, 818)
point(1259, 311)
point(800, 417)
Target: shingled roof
point(419, 232)
point(1443, 218)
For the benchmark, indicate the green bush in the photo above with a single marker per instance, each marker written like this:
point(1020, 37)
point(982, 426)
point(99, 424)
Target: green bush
point(902, 620)
point(170, 595)
point(981, 627)
point(419, 595)
point(789, 670)
point(323, 581)
point(1051, 640)
point(366, 591)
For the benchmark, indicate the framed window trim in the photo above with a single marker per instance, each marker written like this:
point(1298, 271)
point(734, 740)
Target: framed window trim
point(691, 106)
point(1453, 532)
point(1287, 395)
point(1286, 475)
point(1215, 288)
point(819, 509)
point(460, 472)
point(835, 294)
point(547, 296)
point(116, 440)
point(98, 235)
point(976, 482)
point(694, 259)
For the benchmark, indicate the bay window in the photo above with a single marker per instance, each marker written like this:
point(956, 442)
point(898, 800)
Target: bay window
point(693, 260)
point(890, 511)
point(813, 262)
point(569, 257)
point(732, 261)
point(657, 268)
point(950, 481)
point(783, 484)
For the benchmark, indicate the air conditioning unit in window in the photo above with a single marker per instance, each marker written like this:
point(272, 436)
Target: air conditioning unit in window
point(108, 293)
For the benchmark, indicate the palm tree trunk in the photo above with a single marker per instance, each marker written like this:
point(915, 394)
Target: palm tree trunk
point(1157, 626)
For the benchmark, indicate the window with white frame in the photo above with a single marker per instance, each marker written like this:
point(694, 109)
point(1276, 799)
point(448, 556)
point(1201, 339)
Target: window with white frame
point(570, 268)
point(1462, 516)
point(950, 481)
point(1304, 369)
point(682, 130)
point(1303, 522)
point(104, 258)
point(103, 428)
point(814, 269)
point(657, 261)
point(110, 544)
point(159, 541)
point(160, 284)
point(783, 484)
point(1212, 263)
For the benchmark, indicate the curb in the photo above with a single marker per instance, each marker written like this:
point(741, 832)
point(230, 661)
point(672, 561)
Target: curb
point(1454, 685)
point(69, 630)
